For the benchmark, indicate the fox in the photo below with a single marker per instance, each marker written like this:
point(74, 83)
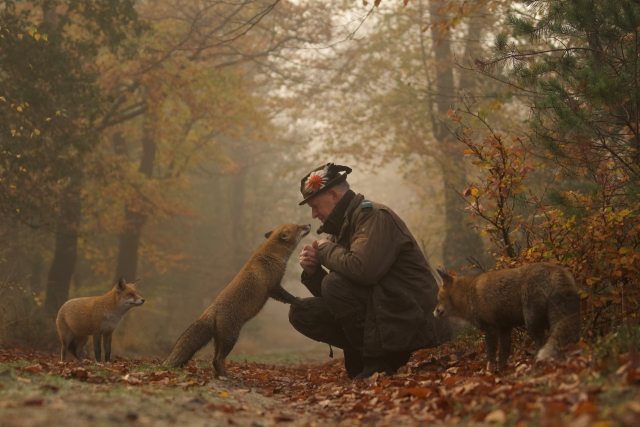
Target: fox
point(97, 316)
point(241, 299)
point(541, 296)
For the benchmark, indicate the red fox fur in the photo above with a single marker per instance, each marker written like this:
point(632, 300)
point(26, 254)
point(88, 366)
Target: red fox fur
point(242, 299)
point(99, 316)
point(540, 296)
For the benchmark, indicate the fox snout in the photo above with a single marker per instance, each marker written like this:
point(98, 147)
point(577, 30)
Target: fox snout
point(439, 312)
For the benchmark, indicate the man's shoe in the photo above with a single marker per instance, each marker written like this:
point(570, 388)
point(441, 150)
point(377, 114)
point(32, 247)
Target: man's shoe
point(397, 359)
point(373, 365)
point(353, 362)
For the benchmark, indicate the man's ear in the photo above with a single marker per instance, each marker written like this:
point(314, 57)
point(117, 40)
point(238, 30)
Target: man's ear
point(268, 234)
point(121, 285)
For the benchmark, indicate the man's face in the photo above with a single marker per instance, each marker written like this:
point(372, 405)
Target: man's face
point(322, 204)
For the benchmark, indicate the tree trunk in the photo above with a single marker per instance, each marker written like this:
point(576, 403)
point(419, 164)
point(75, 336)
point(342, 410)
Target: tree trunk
point(129, 239)
point(460, 240)
point(66, 251)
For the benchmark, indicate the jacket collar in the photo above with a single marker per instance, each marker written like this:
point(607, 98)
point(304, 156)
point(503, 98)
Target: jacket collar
point(336, 218)
point(351, 211)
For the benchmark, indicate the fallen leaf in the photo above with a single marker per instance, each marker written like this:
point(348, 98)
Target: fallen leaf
point(497, 416)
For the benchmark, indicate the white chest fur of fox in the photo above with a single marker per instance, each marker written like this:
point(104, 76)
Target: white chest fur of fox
point(541, 296)
point(80, 318)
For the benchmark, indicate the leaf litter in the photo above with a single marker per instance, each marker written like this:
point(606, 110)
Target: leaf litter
point(448, 385)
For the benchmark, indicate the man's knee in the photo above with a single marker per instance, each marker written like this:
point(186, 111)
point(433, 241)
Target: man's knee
point(296, 316)
point(333, 284)
point(343, 298)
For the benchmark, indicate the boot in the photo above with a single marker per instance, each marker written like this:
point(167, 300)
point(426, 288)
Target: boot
point(373, 365)
point(355, 333)
point(353, 362)
point(398, 359)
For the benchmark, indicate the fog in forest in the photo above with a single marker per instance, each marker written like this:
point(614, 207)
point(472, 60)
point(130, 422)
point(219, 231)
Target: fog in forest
point(184, 139)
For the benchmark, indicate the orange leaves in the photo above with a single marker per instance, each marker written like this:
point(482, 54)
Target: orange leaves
point(447, 383)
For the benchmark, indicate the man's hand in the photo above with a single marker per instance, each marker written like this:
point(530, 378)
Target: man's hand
point(322, 241)
point(308, 260)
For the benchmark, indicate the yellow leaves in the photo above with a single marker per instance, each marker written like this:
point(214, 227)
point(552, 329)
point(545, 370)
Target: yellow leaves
point(3, 99)
point(19, 108)
point(471, 191)
point(20, 36)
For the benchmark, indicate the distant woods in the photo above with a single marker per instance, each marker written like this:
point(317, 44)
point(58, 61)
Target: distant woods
point(160, 140)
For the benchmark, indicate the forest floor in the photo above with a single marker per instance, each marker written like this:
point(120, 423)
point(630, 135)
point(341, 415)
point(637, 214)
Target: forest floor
point(447, 385)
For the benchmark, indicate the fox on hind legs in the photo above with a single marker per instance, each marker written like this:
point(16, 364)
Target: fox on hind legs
point(242, 299)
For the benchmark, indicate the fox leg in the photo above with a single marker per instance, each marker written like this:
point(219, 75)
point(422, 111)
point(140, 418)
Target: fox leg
point(80, 351)
point(106, 338)
point(65, 339)
point(224, 342)
point(65, 342)
point(280, 294)
point(97, 347)
point(505, 346)
point(491, 340)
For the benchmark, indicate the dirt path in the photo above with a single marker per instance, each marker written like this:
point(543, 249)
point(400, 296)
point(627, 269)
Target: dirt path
point(38, 400)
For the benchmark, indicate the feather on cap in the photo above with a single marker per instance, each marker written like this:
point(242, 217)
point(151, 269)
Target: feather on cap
point(322, 178)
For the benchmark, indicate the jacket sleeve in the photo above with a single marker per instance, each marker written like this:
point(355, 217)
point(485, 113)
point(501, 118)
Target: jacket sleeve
point(314, 282)
point(375, 245)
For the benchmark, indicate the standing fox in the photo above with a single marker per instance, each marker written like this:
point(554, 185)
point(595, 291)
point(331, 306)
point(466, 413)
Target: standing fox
point(242, 299)
point(540, 296)
point(79, 318)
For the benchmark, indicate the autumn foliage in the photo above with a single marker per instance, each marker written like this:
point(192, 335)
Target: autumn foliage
point(593, 233)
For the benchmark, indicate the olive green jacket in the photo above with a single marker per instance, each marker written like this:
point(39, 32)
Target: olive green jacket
point(375, 249)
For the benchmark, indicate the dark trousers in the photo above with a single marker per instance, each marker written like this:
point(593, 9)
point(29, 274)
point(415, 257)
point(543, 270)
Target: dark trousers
point(323, 317)
point(321, 320)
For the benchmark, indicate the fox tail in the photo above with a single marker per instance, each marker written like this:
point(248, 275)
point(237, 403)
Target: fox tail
point(193, 339)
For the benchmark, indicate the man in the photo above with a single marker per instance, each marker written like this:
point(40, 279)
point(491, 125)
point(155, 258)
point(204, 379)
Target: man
point(376, 301)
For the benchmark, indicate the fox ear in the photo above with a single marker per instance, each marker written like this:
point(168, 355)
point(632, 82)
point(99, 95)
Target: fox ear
point(121, 285)
point(445, 277)
point(135, 283)
point(268, 234)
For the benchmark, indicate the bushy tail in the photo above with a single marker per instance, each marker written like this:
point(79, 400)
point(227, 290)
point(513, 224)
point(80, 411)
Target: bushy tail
point(193, 339)
point(564, 317)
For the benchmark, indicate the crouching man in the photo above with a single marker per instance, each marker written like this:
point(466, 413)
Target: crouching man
point(377, 298)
